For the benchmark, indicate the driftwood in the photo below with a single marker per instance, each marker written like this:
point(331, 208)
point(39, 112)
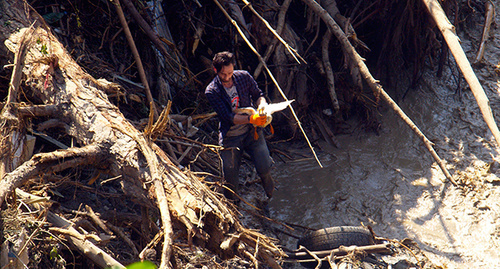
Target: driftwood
point(291, 50)
point(448, 31)
point(81, 242)
point(490, 14)
point(330, 6)
point(279, 30)
point(372, 82)
point(108, 141)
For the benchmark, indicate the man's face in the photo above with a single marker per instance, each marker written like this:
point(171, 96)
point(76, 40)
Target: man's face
point(226, 73)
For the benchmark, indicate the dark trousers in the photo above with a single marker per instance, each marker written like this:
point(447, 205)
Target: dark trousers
point(233, 152)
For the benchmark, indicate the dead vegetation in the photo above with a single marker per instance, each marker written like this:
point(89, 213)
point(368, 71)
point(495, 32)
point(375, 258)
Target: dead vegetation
point(110, 150)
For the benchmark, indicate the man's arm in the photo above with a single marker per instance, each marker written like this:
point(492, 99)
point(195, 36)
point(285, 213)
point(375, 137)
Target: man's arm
point(241, 119)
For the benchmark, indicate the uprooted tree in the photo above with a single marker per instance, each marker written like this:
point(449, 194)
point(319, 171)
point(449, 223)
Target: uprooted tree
point(75, 101)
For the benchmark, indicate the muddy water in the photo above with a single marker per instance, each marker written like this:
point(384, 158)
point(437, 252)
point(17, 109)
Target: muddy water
point(390, 181)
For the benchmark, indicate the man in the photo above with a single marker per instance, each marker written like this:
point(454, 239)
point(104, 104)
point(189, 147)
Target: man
point(229, 90)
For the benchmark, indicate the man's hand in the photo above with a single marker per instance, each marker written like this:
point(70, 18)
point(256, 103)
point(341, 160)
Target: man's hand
point(257, 119)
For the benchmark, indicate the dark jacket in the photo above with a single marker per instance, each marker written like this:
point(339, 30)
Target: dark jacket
point(248, 92)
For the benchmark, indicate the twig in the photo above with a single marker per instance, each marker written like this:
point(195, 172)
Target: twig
point(137, 57)
point(151, 244)
point(97, 220)
point(302, 248)
point(120, 233)
point(490, 13)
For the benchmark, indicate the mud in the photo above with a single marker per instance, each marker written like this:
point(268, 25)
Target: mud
point(390, 181)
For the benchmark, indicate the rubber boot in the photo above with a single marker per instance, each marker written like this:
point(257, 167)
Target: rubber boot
point(268, 184)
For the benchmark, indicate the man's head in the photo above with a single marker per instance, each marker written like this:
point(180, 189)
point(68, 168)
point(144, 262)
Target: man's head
point(223, 63)
point(223, 59)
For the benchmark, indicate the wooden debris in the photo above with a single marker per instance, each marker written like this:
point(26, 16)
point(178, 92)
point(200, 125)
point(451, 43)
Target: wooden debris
point(488, 20)
point(86, 247)
point(328, 70)
point(106, 140)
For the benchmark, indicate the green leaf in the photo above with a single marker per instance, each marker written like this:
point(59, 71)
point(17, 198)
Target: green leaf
point(142, 265)
point(138, 265)
point(53, 253)
point(44, 49)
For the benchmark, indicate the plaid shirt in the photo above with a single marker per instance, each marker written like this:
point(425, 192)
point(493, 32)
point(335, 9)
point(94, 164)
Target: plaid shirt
point(248, 92)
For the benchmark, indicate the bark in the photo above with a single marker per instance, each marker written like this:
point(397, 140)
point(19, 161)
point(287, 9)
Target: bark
point(49, 163)
point(279, 30)
point(328, 69)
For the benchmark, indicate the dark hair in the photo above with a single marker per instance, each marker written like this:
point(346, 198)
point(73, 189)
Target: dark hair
point(222, 59)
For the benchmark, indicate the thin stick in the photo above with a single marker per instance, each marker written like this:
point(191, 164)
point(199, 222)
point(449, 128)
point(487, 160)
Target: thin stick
point(137, 57)
point(490, 14)
point(270, 75)
point(292, 51)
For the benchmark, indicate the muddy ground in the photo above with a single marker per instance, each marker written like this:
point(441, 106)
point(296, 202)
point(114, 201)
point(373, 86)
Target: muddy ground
point(390, 182)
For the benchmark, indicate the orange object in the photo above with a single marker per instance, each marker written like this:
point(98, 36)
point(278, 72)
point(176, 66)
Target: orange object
point(255, 134)
point(258, 120)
